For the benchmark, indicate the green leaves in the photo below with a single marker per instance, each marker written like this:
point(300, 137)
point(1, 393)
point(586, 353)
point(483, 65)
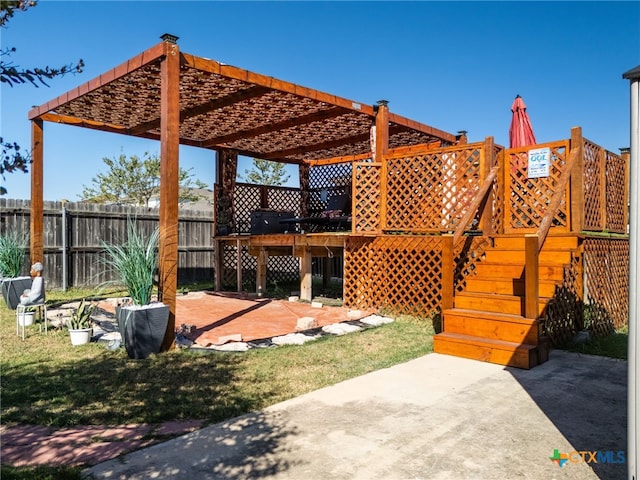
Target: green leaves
point(81, 316)
point(134, 180)
point(265, 172)
point(135, 262)
point(12, 252)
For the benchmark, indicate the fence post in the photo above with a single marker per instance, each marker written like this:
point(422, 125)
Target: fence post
point(65, 265)
point(447, 272)
point(531, 276)
point(625, 154)
point(577, 182)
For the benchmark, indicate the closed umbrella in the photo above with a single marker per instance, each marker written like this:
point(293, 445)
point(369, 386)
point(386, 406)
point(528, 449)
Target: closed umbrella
point(520, 131)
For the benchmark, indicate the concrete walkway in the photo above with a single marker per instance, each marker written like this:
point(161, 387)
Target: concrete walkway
point(436, 417)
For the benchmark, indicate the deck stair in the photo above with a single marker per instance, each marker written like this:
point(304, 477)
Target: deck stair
point(487, 321)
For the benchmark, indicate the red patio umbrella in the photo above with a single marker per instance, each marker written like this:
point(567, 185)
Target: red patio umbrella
point(520, 131)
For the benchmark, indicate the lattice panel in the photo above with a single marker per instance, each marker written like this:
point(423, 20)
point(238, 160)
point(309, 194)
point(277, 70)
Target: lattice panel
point(366, 204)
point(594, 169)
point(284, 199)
point(328, 176)
point(398, 272)
point(606, 265)
point(280, 270)
point(529, 197)
point(247, 198)
point(563, 314)
point(468, 253)
point(431, 192)
point(616, 193)
point(497, 208)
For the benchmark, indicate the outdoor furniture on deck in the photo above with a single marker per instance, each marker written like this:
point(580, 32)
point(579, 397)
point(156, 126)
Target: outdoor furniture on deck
point(337, 216)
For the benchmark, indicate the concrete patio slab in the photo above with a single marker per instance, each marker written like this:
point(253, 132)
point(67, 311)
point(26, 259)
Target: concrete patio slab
point(436, 417)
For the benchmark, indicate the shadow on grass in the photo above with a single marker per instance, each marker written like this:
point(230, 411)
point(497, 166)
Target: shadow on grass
point(111, 389)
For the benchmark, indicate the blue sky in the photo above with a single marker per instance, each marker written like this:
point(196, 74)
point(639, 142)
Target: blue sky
point(452, 65)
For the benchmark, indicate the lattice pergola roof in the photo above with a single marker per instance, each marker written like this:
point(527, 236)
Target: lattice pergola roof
point(222, 106)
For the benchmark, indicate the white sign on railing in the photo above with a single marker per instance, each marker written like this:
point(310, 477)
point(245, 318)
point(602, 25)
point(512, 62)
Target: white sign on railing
point(539, 161)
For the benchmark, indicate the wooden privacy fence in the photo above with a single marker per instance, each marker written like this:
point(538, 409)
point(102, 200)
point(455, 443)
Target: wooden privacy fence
point(74, 234)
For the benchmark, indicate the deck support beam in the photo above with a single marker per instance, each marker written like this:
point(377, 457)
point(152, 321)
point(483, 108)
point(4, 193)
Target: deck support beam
point(261, 272)
point(306, 287)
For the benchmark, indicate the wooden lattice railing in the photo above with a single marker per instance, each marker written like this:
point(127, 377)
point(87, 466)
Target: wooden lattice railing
point(411, 211)
point(605, 190)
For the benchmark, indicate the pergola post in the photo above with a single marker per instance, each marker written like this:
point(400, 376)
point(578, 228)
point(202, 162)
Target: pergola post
point(36, 242)
point(303, 175)
point(169, 181)
point(382, 146)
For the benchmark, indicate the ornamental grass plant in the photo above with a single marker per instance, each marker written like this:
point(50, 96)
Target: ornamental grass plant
point(135, 262)
point(12, 253)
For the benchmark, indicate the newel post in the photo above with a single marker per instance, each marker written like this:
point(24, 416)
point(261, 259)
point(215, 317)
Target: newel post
point(531, 267)
point(447, 271)
point(382, 146)
point(577, 182)
point(486, 165)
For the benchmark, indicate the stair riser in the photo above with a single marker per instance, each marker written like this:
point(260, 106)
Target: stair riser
point(517, 243)
point(553, 257)
point(492, 329)
point(507, 287)
point(520, 358)
point(488, 303)
point(545, 272)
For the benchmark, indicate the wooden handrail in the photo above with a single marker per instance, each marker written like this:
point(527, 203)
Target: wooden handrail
point(558, 195)
point(475, 203)
point(534, 242)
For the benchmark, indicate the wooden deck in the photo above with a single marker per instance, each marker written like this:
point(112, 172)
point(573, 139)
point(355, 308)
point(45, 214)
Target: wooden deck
point(305, 246)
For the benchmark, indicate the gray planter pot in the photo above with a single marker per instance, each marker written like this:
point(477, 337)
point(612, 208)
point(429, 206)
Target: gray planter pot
point(142, 328)
point(12, 288)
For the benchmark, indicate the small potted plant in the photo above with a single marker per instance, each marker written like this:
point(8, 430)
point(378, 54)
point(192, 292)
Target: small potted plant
point(143, 324)
point(12, 253)
point(80, 324)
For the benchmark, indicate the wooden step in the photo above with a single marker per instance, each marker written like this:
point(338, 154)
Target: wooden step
point(493, 351)
point(487, 302)
point(508, 242)
point(493, 326)
point(515, 270)
point(546, 257)
point(507, 286)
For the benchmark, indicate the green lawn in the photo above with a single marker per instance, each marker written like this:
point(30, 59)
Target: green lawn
point(46, 381)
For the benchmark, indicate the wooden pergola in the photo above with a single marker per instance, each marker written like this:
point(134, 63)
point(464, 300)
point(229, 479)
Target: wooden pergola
point(178, 98)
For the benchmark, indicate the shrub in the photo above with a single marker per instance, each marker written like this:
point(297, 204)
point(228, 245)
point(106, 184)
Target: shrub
point(12, 252)
point(135, 262)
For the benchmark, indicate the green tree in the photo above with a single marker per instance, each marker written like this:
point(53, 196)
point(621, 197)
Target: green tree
point(13, 158)
point(265, 172)
point(135, 180)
